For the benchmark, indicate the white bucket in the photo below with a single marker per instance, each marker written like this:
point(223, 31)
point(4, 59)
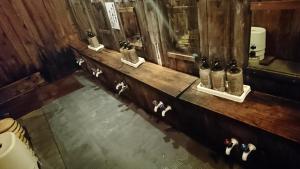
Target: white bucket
point(14, 154)
point(258, 38)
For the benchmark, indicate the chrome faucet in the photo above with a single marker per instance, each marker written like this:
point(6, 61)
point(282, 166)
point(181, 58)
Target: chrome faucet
point(247, 149)
point(163, 113)
point(80, 61)
point(230, 144)
point(157, 105)
point(121, 87)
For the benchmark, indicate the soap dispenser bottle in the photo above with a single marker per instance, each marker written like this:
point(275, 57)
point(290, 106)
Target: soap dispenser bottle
point(125, 51)
point(235, 79)
point(93, 41)
point(252, 55)
point(122, 44)
point(132, 56)
point(122, 48)
point(204, 72)
point(218, 76)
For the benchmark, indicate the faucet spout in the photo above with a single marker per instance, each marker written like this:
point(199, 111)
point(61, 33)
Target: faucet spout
point(157, 106)
point(247, 150)
point(163, 113)
point(98, 72)
point(121, 87)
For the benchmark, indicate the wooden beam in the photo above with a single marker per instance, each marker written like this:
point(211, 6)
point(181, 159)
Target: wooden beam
point(126, 9)
point(181, 56)
point(20, 87)
point(276, 5)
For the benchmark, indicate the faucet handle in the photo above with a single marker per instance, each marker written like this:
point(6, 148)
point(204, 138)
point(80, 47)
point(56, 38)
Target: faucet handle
point(247, 149)
point(98, 72)
point(157, 105)
point(168, 108)
point(228, 142)
point(120, 84)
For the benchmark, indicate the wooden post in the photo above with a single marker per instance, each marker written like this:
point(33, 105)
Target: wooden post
point(143, 24)
point(203, 25)
point(218, 13)
point(241, 27)
point(224, 28)
point(153, 29)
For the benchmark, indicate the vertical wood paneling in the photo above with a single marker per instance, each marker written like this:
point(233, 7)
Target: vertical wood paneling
point(218, 13)
point(155, 26)
point(143, 24)
point(80, 16)
point(29, 27)
point(202, 24)
point(240, 31)
point(17, 24)
point(8, 61)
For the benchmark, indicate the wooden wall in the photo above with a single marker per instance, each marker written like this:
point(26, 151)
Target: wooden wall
point(29, 29)
point(281, 18)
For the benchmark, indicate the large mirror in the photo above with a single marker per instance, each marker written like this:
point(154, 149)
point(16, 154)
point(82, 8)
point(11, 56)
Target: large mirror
point(275, 36)
point(183, 22)
point(129, 20)
point(274, 62)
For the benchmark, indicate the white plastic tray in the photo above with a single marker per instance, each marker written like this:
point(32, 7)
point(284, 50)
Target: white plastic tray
point(225, 95)
point(135, 65)
point(96, 49)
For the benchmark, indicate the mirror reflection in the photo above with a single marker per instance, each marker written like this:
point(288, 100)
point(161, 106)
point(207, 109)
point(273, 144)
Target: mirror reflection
point(275, 38)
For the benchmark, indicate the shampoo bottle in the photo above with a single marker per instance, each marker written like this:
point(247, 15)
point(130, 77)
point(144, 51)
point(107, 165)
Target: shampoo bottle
point(133, 57)
point(218, 76)
point(93, 41)
point(235, 79)
point(204, 72)
point(126, 52)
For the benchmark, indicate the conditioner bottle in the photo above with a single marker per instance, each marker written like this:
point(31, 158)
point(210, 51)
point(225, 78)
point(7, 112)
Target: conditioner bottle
point(218, 76)
point(204, 72)
point(235, 79)
point(132, 56)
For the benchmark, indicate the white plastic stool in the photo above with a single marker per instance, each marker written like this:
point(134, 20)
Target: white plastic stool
point(14, 154)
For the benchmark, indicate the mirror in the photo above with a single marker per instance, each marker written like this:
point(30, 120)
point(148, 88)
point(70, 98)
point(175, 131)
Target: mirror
point(130, 23)
point(278, 47)
point(183, 26)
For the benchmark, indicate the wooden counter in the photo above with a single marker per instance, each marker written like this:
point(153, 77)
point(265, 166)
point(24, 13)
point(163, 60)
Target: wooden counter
point(269, 113)
point(164, 79)
point(272, 114)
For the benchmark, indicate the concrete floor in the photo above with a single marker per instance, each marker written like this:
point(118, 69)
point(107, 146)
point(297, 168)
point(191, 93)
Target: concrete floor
point(94, 129)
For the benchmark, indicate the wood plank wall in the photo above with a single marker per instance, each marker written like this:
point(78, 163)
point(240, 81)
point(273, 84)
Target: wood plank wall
point(281, 18)
point(27, 29)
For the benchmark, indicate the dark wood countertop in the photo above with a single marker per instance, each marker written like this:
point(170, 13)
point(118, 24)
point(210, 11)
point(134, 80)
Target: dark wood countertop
point(273, 114)
point(161, 78)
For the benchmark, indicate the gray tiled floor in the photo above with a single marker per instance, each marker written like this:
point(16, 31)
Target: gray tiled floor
point(92, 129)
